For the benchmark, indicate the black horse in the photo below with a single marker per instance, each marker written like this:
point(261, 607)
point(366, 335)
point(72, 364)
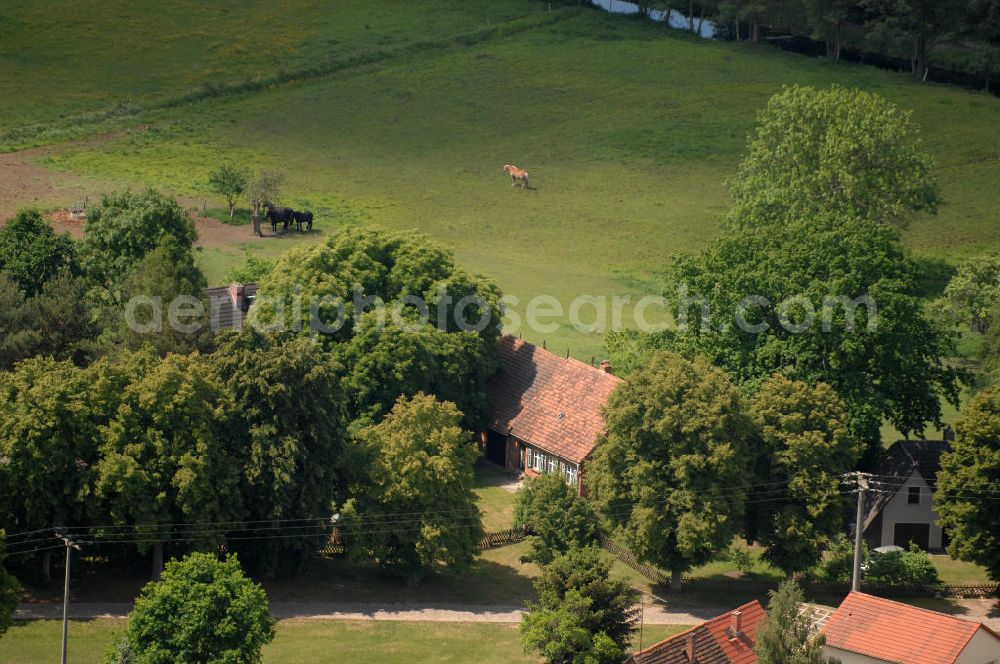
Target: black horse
point(282, 215)
point(303, 218)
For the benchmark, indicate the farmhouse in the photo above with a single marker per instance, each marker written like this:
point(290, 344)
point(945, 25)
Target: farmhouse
point(872, 630)
point(902, 510)
point(725, 639)
point(545, 411)
point(228, 305)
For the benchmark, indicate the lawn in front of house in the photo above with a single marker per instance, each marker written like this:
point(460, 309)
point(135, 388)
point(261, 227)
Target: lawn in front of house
point(311, 641)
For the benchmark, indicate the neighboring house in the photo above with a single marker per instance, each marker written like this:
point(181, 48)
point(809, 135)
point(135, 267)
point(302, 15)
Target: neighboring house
point(228, 305)
point(545, 411)
point(872, 630)
point(726, 639)
point(902, 510)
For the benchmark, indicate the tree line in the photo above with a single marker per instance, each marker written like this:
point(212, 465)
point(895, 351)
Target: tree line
point(953, 35)
point(148, 444)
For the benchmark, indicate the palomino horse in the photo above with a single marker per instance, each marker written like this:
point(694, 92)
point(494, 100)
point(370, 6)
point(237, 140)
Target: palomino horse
point(517, 176)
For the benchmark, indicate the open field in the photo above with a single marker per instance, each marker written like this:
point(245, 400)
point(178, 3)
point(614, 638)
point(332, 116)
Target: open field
point(628, 130)
point(308, 641)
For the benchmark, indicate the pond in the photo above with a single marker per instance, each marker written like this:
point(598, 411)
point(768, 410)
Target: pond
point(675, 19)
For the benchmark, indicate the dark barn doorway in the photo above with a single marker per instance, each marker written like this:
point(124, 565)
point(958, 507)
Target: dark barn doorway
point(496, 448)
point(918, 533)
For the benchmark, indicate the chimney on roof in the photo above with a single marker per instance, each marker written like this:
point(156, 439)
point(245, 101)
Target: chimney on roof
point(237, 292)
point(737, 624)
point(606, 367)
point(689, 647)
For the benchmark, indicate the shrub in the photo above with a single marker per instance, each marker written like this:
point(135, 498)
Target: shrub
point(912, 566)
point(202, 610)
point(557, 517)
point(741, 557)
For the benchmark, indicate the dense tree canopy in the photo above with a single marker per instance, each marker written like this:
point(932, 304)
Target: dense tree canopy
point(974, 292)
point(166, 455)
point(125, 227)
point(582, 615)
point(834, 300)
point(291, 437)
point(31, 252)
point(558, 518)
point(164, 302)
point(10, 590)
point(671, 472)
point(18, 336)
point(203, 610)
point(968, 482)
point(420, 463)
point(840, 151)
point(334, 289)
point(47, 443)
point(803, 444)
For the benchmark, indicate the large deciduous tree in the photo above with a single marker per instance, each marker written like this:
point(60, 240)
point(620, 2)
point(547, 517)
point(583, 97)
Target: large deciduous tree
point(809, 276)
point(363, 291)
point(582, 615)
point(125, 227)
point(974, 292)
point(164, 302)
point(803, 449)
point(202, 610)
point(420, 464)
point(671, 471)
point(32, 253)
point(556, 515)
point(47, 446)
point(292, 439)
point(166, 456)
point(967, 484)
point(913, 27)
point(842, 151)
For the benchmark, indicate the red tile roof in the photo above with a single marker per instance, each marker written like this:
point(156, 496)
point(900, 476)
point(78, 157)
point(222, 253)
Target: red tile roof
point(551, 402)
point(714, 641)
point(894, 632)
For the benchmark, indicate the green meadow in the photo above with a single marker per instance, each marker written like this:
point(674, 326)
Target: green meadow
point(629, 131)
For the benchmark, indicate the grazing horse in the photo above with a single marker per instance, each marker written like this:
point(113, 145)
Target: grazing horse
point(518, 176)
point(303, 218)
point(277, 214)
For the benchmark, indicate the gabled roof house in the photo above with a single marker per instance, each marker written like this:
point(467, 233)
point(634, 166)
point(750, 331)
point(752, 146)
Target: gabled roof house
point(545, 411)
point(725, 639)
point(902, 511)
point(872, 630)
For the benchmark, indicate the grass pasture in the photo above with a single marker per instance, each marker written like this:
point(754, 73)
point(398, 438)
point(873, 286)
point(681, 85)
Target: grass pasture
point(629, 132)
point(310, 641)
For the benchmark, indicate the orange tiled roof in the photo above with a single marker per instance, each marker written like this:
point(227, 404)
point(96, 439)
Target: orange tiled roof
point(887, 630)
point(553, 403)
point(714, 641)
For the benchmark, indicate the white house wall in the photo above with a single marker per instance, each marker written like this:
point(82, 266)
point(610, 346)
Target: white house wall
point(897, 510)
point(983, 648)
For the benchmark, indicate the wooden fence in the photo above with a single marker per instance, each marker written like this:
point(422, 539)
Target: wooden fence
point(651, 572)
point(501, 538)
point(492, 540)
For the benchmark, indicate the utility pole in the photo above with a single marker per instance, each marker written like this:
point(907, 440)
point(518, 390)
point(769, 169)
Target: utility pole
point(70, 545)
point(862, 482)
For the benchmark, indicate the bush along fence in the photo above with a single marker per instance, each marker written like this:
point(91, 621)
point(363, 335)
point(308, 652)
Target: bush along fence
point(492, 540)
point(758, 586)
